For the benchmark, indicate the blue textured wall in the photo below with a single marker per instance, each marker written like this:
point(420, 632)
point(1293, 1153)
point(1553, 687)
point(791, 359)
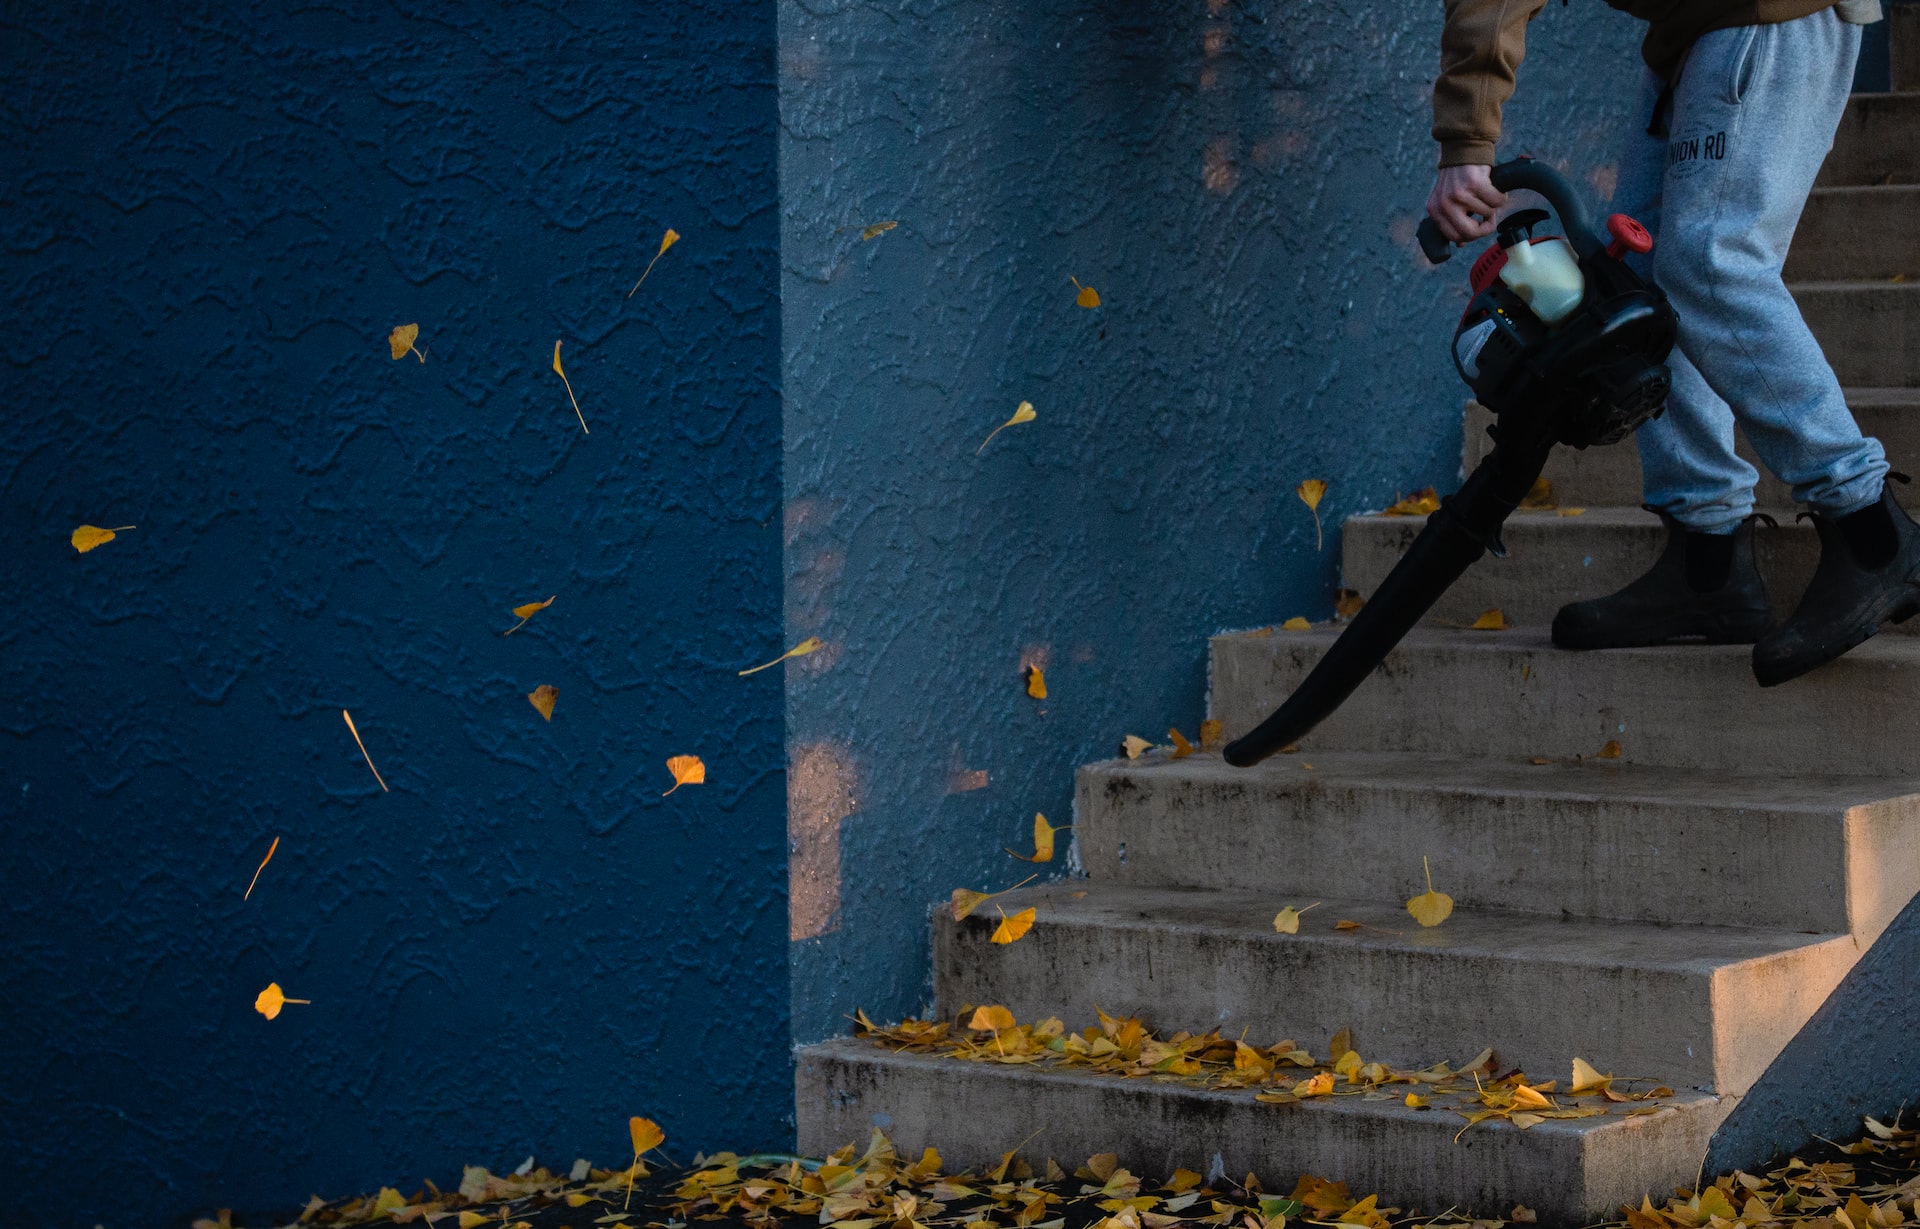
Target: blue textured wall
point(1240, 180)
point(210, 222)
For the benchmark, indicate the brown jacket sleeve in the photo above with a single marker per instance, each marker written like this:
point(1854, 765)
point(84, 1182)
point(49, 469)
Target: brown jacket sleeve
point(1481, 48)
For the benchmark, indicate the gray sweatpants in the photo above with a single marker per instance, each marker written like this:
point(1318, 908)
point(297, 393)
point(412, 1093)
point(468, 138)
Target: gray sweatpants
point(1721, 184)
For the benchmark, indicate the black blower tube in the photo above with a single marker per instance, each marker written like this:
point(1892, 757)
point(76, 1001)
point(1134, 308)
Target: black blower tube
point(1466, 526)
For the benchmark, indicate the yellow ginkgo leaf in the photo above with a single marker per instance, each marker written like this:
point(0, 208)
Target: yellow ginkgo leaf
point(87, 537)
point(472, 1220)
point(1287, 921)
point(1609, 752)
point(965, 901)
point(1088, 296)
point(1210, 731)
point(1310, 492)
point(1420, 503)
point(666, 241)
point(1296, 624)
point(686, 770)
point(272, 999)
point(646, 1133)
point(1530, 1098)
point(990, 1019)
point(562, 373)
point(1042, 840)
point(1587, 1078)
point(1132, 745)
point(542, 698)
point(1036, 682)
point(1023, 413)
point(1430, 908)
point(401, 340)
point(1490, 620)
point(1572, 511)
point(1417, 1102)
point(1347, 603)
point(811, 644)
point(1315, 1086)
point(523, 613)
point(876, 230)
point(1181, 747)
point(1012, 928)
point(1539, 497)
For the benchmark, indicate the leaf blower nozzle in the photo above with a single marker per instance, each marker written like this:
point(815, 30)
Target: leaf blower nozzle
point(1566, 345)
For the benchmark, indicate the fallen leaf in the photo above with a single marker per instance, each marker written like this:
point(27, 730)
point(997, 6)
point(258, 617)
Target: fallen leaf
point(812, 644)
point(990, 1019)
point(666, 241)
point(1340, 1046)
point(1296, 624)
point(1133, 745)
point(354, 730)
point(261, 867)
point(966, 900)
point(1430, 908)
point(1530, 1098)
point(1315, 1086)
point(472, 1220)
point(1347, 603)
point(523, 613)
point(1876, 1128)
point(542, 698)
point(1609, 752)
point(646, 1133)
point(401, 340)
point(272, 999)
point(686, 770)
point(1572, 511)
point(562, 373)
point(1539, 497)
point(1539, 759)
point(1287, 921)
point(1036, 682)
point(1088, 296)
point(1490, 620)
point(1181, 747)
point(1310, 492)
point(1415, 1101)
point(1523, 1214)
point(1587, 1078)
point(87, 537)
point(1012, 928)
point(1210, 732)
point(1023, 413)
point(1042, 839)
point(1420, 503)
point(1345, 924)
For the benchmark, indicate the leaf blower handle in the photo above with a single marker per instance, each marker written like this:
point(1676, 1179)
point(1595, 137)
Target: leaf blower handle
point(1534, 177)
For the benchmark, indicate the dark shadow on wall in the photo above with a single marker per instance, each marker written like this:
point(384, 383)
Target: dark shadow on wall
point(211, 224)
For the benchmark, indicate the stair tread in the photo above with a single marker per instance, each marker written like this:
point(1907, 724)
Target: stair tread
point(1901, 651)
point(1614, 780)
point(1246, 916)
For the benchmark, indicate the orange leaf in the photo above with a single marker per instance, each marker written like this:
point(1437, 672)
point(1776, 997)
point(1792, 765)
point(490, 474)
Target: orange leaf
point(272, 999)
point(1036, 683)
point(1539, 497)
point(686, 770)
point(1315, 1086)
point(542, 698)
point(87, 537)
point(1088, 296)
point(401, 340)
point(1310, 492)
point(1421, 503)
point(1013, 928)
point(1491, 620)
point(1296, 624)
point(355, 731)
point(1609, 752)
point(261, 867)
point(646, 1133)
point(523, 613)
point(561, 372)
point(1133, 745)
point(876, 230)
point(666, 241)
point(1347, 603)
point(1181, 747)
point(1042, 840)
point(990, 1019)
point(1210, 732)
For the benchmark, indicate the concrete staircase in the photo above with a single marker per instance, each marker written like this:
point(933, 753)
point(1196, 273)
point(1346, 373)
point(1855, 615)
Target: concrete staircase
point(1675, 913)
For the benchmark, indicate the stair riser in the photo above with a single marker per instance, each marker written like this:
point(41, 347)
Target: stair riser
point(1610, 477)
point(973, 1112)
point(1555, 560)
point(1903, 38)
point(1871, 334)
point(1636, 860)
point(1878, 142)
point(1502, 694)
point(1866, 233)
point(1399, 1004)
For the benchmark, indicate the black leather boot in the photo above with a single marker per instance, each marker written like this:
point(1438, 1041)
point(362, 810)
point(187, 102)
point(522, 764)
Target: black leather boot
point(1704, 588)
point(1869, 574)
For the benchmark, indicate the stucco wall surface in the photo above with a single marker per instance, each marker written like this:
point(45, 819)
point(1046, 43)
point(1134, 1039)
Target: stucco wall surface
point(211, 219)
point(1239, 180)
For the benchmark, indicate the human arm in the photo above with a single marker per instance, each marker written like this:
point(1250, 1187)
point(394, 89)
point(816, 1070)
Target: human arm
point(1481, 46)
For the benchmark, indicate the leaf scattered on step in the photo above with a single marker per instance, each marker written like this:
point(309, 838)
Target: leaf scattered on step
point(990, 1019)
point(1430, 908)
point(1023, 413)
point(1539, 759)
point(401, 340)
point(1348, 924)
point(1315, 1086)
point(1539, 498)
point(1087, 297)
point(1210, 734)
point(1347, 603)
point(686, 770)
point(1042, 840)
point(966, 900)
point(1609, 752)
point(1490, 620)
point(523, 613)
point(1132, 745)
point(666, 241)
point(1181, 747)
point(1421, 503)
point(269, 1001)
point(1012, 928)
point(812, 644)
point(1522, 1214)
point(248, 895)
point(542, 698)
point(562, 373)
point(1287, 921)
point(1310, 493)
point(1572, 511)
point(1296, 624)
point(1036, 682)
point(87, 537)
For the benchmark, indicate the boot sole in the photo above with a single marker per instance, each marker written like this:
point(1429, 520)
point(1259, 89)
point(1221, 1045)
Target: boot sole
point(1905, 608)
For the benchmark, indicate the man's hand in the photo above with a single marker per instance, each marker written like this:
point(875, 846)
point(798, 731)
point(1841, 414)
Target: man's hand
point(1459, 194)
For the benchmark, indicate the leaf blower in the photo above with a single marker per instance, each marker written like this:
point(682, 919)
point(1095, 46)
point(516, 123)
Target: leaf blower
point(1566, 345)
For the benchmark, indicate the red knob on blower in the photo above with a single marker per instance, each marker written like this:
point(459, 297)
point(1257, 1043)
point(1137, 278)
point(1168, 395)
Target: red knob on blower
point(1628, 236)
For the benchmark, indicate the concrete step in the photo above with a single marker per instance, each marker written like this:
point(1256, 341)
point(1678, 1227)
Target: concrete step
point(1512, 694)
point(1592, 839)
point(1569, 1171)
point(1869, 330)
point(1903, 40)
point(1611, 476)
point(1878, 142)
point(1865, 234)
point(1553, 560)
point(1704, 1007)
